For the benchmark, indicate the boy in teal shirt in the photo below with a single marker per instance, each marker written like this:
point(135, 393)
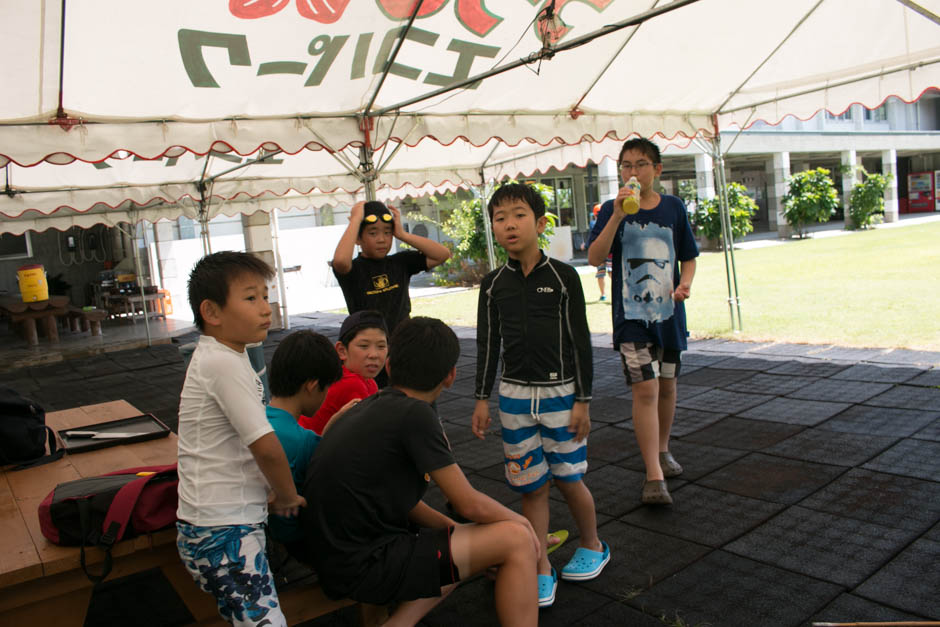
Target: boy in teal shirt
point(303, 368)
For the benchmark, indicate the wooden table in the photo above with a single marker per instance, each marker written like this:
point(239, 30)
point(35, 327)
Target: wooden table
point(26, 315)
point(43, 584)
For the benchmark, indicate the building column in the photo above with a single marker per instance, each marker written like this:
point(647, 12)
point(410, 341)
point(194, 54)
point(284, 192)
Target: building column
point(849, 179)
point(608, 179)
point(889, 167)
point(258, 241)
point(704, 176)
point(778, 170)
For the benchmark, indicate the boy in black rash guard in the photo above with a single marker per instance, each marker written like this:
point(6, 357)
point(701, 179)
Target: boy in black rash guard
point(365, 484)
point(534, 307)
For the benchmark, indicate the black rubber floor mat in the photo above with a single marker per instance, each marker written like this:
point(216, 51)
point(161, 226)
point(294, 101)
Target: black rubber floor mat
point(879, 373)
point(704, 515)
point(616, 490)
point(910, 581)
point(930, 432)
point(609, 444)
point(880, 498)
point(909, 397)
point(836, 390)
point(772, 478)
point(609, 409)
point(638, 559)
point(810, 367)
point(911, 458)
point(830, 447)
point(793, 350)
point(850, 354)
point(905, 356)
point(697, 460)
point(888, 421)
point(726, 589)
point(750, 435)
point(794, 411)
point(752, 361)
point(848, 608)
point(931, 378)
point(693, 358)
point(714, 377)
point(841, 550)
point(774, 384)
point(724, 401)
point(685, 421)
point(476, 455)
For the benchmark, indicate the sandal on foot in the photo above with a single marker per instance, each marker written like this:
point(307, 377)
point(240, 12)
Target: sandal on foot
point(670, 466)
point(561, 535)
point(586, 564)
point(656, 493)
point(548, 585)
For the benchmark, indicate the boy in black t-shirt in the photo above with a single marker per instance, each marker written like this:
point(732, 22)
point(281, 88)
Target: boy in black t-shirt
point(375, 279)
point(368, 533)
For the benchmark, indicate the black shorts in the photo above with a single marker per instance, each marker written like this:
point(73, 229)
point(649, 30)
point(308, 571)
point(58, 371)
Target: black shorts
point(422, 564)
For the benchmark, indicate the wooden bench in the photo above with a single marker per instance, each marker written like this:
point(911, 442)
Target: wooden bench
point(78, 319)
point(43, 584)
point(25, 315)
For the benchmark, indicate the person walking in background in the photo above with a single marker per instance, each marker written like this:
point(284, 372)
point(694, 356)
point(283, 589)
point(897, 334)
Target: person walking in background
point(654, 255)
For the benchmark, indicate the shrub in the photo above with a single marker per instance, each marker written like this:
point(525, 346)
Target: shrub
point(469, 262)
point(706, 219)
point(867, 202)
point(810, 197)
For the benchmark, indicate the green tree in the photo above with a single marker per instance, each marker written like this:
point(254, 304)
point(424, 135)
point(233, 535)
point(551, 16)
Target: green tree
point(811, 197)
point(867, 201)
point(706, 218)
point(465, 226)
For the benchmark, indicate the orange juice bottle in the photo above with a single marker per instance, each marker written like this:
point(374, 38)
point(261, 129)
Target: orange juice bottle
point(631, 204)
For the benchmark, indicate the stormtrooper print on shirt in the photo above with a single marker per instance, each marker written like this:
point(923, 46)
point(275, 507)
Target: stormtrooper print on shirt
point(648, 260)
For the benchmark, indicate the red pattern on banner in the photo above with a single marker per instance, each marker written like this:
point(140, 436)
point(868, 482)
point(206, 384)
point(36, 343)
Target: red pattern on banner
point(401, 9)
point(323, 11)
point(252, 10)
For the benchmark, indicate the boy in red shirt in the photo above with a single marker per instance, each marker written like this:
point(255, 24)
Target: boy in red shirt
point(363, 349)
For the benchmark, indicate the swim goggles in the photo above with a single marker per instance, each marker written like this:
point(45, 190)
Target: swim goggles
point(372, 218)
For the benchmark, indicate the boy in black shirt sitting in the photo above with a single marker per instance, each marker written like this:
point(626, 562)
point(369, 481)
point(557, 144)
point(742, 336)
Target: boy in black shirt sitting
point(368, 533)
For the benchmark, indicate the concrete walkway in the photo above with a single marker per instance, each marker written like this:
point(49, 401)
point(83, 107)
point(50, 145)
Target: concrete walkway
point(811, 489)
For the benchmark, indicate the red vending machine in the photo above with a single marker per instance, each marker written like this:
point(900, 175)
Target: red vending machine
point(921, 193)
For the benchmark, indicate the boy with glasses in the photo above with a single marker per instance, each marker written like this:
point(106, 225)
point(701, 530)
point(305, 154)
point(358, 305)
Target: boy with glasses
point(654, 255)
point(375, 279)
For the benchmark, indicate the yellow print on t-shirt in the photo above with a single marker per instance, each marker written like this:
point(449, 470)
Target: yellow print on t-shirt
point(380, 284)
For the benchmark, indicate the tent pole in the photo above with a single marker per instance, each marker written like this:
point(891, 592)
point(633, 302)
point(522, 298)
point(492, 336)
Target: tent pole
point(367, 170)
point(718, 165)
point(727, 235)
point(487, 227)
point(140, 284)
point(281, 287)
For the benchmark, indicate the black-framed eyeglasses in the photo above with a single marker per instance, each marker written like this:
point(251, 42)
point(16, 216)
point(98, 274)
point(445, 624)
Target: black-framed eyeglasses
point(639, 165)
point(372, 218)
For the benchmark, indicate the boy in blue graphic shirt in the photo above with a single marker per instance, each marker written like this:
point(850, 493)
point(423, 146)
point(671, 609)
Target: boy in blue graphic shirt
point(654, 255)
point(533, 309)
point(303, 368)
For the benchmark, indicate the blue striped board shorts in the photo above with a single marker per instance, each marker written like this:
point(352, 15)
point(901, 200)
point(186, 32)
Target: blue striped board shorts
point(229, 563)
point(536, 442)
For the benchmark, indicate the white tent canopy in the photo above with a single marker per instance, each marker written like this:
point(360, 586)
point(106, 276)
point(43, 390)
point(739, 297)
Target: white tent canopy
point(178, 76)
point(81, 194)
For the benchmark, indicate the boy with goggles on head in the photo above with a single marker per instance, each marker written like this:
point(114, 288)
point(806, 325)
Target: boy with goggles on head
point(375, 279)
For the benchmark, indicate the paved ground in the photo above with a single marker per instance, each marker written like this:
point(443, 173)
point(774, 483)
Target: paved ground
point(811, 491)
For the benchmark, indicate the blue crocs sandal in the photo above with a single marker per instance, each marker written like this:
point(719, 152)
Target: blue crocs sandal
point(548, 584)
point(586, 564)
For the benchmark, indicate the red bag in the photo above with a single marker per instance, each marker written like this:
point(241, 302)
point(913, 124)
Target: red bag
point(99, 511)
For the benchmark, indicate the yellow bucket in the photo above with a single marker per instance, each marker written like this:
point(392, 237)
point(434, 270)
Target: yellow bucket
point(33, 285)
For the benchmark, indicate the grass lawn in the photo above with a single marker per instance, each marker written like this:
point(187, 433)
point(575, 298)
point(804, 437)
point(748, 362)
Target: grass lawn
point(874, 288)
